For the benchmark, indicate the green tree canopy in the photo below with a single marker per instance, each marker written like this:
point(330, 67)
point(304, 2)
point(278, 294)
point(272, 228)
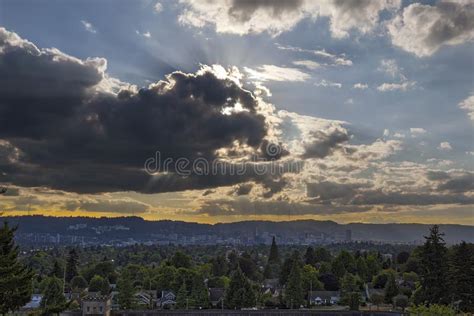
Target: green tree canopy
point(461, 276)
point(53, 300)
point(240, 293)
point(434, 271)
point(71, 265)
point(294, 295)
point(99, 284)
point(78, 283)
point(181, 260)
point(126, 291)
point(15, 278)
point(391, 288)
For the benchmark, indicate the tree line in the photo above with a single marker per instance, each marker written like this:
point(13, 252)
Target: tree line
point(430, 276)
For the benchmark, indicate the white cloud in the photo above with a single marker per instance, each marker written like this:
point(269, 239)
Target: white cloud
point(328, 84)
point(275, 17)
point(468, 105)
point(88, 26)
point(312, 65)
point(158, 7)
point(360, 15)
point(361, 86)
point(417, 131)
point(390, 66)
point(349, 101)
point(423, 29)
point(386, 132)
point(275, 73)
point(402, 86)
point(332, 59)
point(445, 146)
point(146, 34)
point(399, 135)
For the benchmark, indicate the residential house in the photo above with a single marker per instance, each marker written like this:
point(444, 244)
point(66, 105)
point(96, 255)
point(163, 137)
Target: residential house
point(324, 297)
point(34, 303)
point(167, 300)
point(216, 296)
point(146, 298)
point(96, 305)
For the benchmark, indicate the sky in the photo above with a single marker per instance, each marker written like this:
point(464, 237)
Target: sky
point(219, 111)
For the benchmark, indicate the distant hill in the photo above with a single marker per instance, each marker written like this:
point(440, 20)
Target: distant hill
point(140, 230)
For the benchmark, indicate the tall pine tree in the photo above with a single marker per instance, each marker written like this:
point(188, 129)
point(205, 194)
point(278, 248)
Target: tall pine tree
point(15, 278)
point(71, 265)
point(199, 293)
point(240, 293)
point(126, 291)
point(434, 268)
point(310, 256)
point(274, 256)
point(53, 300)
point(273, 267)
point(461, 276)
point(294, 295)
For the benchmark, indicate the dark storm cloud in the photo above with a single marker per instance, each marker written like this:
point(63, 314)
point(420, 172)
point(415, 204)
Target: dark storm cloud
point(326, 190)
point(455, 20)
point(362, 194)
point(244, 206)
point(454, 181)
point(243, 10)
point(459, 184)
point(60, 129)
point(325, 143)
point(375, 197)
point(114, 206)
point(437, 175)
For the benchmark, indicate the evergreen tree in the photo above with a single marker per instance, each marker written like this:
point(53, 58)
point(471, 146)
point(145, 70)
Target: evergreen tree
point(182, 297)
point(391, 288)
point(362, 269)
point(350, 291)
point(288, 266)
point(434, 268)
point(15, 278)
point(126, 291)
point(461, 276)
point(199, 293)
point(274, 257)
point(353, 300)
point(273, 266)
point(294, 295)
point(71, 265)
point(310, 256)
point(337, 268)
point(219, 266)
point(322, 255)
point(53, 300)
point(57, 270)
point(373, 266)
point(240, 293)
